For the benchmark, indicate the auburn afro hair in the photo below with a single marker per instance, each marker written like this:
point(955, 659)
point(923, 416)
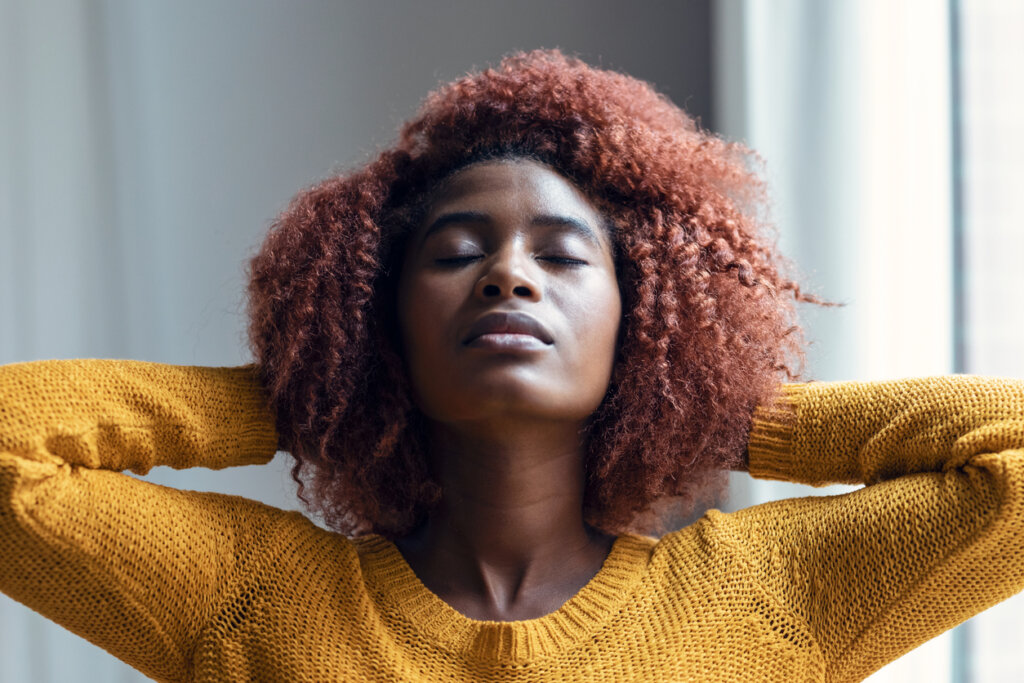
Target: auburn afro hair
point(708, 331)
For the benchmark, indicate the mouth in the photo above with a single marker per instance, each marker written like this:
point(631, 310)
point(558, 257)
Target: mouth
point(508, 328)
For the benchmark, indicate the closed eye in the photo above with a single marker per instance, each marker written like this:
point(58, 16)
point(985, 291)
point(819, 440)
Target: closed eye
point(456, 260)
point(462, 260)
point(563, 260)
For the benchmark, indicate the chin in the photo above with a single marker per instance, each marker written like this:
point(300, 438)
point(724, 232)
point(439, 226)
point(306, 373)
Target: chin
point(510, 393)
point(514, 403)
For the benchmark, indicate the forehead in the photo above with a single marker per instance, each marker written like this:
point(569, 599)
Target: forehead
point(511, 184)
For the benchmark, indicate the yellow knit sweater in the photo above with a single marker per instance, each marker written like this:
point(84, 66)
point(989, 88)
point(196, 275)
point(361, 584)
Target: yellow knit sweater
point(190, 586)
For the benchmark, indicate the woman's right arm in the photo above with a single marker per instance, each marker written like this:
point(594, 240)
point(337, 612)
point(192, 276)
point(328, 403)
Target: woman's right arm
point(134, 567)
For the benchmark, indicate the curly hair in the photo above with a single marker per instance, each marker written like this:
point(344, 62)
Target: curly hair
point(709, 322)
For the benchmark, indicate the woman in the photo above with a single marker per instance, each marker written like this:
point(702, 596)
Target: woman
point(542, 324)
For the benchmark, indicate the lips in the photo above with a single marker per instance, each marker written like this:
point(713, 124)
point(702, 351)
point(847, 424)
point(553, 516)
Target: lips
point(508, 322)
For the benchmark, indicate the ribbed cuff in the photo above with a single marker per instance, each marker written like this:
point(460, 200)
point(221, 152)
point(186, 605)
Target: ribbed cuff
point(772, 436)
point(252, 434)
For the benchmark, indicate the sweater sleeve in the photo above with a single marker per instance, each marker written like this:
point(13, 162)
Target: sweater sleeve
point(935, 536)
point(135, 568)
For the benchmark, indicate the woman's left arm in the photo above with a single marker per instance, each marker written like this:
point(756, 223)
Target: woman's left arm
point(936, 536)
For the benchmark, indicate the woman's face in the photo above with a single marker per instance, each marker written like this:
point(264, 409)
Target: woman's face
point(508, 304)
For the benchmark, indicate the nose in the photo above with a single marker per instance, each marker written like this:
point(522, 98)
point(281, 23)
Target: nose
point(507, 277)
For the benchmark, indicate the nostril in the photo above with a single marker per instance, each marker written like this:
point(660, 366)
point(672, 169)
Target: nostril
point(491, 290)
point(521, 291)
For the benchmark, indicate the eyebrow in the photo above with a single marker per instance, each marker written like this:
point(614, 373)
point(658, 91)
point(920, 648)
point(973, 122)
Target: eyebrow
point(575, 225)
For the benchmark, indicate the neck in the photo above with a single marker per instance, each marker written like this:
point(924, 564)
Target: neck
point(510, 519)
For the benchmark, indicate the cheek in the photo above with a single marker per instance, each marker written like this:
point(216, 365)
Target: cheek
point(606, 313)
point(597, 317)
point(416, 348)
point(409, 307)
point(423, 314)
point(415, 310)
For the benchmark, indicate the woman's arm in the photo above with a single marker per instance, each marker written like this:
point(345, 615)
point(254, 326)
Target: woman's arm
point(134, 567)
point(936, 536)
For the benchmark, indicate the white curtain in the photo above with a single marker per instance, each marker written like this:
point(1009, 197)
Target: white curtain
point(850, 103)
point(991, 110)
point(96, 260)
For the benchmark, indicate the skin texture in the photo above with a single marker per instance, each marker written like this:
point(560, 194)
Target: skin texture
point(508, 539)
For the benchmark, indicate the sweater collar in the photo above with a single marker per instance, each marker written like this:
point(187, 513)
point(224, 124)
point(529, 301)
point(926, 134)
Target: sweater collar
point(397, 590)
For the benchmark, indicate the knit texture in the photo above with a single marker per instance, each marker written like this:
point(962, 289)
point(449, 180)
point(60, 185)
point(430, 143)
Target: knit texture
point(189, 586)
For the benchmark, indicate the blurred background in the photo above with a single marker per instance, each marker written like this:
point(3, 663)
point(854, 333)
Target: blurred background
point(145, 147)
